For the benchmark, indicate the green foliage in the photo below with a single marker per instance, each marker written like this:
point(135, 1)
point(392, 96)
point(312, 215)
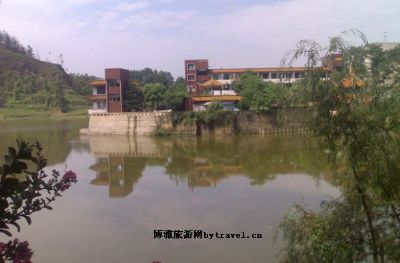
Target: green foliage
point(260, 159)
point(160, 131)
point(21, 189)
point(24, 191)
point(80, 83)
point(174, 97)
point(215, 106)
point(13, 44)
point(356, 115)
point(148, 75)
point(180, 81)
point(156, 90)
point(158, 96)
point(25, 80)
point(257, 94)
point(153, 95)
point(133, 98)
point(62, 103)
point(211, 118)
point(332, 235)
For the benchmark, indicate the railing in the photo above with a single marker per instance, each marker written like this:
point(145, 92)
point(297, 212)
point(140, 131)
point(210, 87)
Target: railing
point(93, 111)
point(223, 92)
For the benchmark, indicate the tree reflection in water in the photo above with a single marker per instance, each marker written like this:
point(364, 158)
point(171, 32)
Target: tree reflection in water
point(202, 162)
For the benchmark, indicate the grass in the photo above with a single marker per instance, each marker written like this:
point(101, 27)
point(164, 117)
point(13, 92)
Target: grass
point(30, 112)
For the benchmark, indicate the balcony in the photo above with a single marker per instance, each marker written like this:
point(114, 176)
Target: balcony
point(97, 97)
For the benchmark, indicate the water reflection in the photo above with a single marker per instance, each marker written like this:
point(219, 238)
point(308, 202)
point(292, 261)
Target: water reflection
point(56, 136)
point(118, 172)
point(127, 187)
point(201, 162)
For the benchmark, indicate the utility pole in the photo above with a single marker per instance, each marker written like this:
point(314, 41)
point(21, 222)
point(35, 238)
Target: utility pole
point(385, 35)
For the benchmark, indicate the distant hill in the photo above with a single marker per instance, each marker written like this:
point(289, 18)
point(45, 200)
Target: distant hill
point(23, 64)
point(29, 84)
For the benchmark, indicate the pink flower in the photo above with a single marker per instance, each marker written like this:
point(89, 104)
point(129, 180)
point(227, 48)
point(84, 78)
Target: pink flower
point(16, 252)
point(69, 176)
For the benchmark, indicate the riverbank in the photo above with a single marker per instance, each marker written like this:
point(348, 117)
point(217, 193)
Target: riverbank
point(33, 114)
point(197, 123)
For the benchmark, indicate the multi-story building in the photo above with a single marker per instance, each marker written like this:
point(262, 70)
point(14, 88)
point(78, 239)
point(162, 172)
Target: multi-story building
point(108, 93)
point(201, 90)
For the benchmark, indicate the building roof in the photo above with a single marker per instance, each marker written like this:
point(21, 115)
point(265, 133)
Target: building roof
point(196, 60)
point(242, 70)
point(212, 83)
point(216, 98)
point(97, 82)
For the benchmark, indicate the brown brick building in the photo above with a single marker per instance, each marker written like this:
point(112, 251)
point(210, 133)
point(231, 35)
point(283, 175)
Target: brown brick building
point(108, 93)
point(202, 91)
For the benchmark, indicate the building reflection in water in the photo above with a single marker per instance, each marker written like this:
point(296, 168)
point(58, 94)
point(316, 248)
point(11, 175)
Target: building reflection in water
point(200, 162)
point(205, 174)
point(119, 173)
point(120, 161)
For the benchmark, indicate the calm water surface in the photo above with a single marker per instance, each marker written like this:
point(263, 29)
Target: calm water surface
point(129, 187)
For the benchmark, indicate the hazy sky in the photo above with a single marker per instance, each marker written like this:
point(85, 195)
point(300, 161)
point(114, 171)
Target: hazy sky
point(95, 34)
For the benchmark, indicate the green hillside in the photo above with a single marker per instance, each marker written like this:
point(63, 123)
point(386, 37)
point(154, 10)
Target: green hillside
point(33, 88)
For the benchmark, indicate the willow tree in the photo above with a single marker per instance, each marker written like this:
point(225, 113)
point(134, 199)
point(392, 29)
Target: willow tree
point(355, 112)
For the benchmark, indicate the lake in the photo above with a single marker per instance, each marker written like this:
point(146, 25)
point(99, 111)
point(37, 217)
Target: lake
point(129, 187)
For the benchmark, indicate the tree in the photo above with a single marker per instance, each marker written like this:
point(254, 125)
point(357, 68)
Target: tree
point(153, 94)
point(29, 51)
point(174, 97)
point(18, 90)
point(24, 192)
point(62, 102)
point(257, 94)
point(148, 75)
point(133, 98)
point(80, 83)
point(356, 115)
point(180, 81)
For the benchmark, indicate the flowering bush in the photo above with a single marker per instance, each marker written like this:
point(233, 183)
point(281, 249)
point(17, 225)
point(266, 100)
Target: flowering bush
point(18, 252)
point(24, 191)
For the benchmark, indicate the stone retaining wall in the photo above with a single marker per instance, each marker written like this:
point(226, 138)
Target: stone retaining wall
point(130, 123)
point(146, 123)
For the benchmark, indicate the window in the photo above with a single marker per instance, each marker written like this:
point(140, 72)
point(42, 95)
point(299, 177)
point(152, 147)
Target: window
point(202, 72)
point(215, 76)
point(274, 75)
point(265, 75)
point(226, 76)
point(114, 83)
point(285, 76)
point(191, 66)
point(114, 98)
point(101, 104)
point(191, 77)
point(298, 75)
point(101, 90)
point(191, 88)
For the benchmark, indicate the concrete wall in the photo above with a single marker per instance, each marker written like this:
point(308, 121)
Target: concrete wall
point(129, 123)
point(146, 123)
point(287, 121)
